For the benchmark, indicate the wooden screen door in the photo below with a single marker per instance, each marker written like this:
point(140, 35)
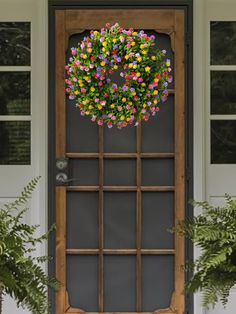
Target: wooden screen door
point(125, 188)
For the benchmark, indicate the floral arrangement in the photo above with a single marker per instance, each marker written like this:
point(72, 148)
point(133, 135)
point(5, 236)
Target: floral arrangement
point(144, 70)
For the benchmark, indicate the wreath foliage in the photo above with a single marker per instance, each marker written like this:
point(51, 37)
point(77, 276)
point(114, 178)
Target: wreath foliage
point(143, 68)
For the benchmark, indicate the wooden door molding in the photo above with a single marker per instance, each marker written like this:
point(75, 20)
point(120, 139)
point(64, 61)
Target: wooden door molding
point(171, 22)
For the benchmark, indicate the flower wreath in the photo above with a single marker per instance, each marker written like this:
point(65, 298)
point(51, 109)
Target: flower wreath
point(145, 71)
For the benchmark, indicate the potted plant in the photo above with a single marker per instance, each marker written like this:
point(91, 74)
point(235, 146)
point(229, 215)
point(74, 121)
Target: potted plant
point(21, 275)
point(214, 232)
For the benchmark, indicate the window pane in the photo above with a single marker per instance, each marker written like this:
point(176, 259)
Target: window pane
point(120, 220)
point(14, 93)
point(15, 142)
point(157, 282)
point(82, 282)
point(120, 172)
point(223, 145)
point(223, 97)
point(15, 43)
point(158, 172)
point(120, 273)
point(82, 220)
point(223, 43)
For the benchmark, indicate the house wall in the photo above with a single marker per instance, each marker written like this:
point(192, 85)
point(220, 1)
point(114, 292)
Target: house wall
point(210, 181)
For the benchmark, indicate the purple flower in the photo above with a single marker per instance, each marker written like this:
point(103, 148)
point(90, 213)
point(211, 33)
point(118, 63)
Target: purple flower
point(152, 37)
point(125, 88)
point(114, 85)
point(115, 46)
point(101, 39)
point(132, 89)
point(71, 97)
point(108, 80)
point(118, 59)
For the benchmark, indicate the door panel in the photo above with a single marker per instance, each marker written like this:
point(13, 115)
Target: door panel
point(125, 188)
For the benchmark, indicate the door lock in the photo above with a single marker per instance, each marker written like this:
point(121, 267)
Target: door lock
point(61, 178)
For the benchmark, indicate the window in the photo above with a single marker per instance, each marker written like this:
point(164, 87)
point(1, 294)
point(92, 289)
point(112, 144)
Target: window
point(223, 92)
point(15, 95)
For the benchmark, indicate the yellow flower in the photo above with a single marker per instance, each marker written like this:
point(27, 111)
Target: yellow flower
point(80, 81)
point(156, 80)
point(154, 58)
point(143, 84)
point(103, 49)
point(144, 52)
point(126, 57)
point(155, 92)
point(130, 103)
point(90, 107)
point(138, 74)
point(142, 46)
point(135, 66)
point(112, 106)
point(85, 56)
point(92, 89)
point(99, 107)
point(104, 44)
point(76, 92)
point(122, 118)
point(144, 105)
point(95, 33)
point(132, 43)
point(130, 65)
point(127, 119)
point(114, 40)
point(115, 66)
point(133, 93)
point(139, 59)
point(168, 63)
point(89, 50)
point(147, 69)
point(123, 99)
point(87, 113)
point(155, 101)
point(102, 63)
point(86, 78)
point(135, 34)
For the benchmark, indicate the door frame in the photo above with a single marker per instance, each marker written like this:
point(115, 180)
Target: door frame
point(185, 5)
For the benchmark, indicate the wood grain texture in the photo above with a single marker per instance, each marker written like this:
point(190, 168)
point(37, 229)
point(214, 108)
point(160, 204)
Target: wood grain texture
point(178, 300)
point(60, 248)
point(160, 20)
point(60, 49)
point(120, 155)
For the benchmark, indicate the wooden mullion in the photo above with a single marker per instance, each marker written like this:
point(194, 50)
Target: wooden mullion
point(157, 188)
point(120, 188)
point(101, 222)
point(120, 251)
point(119, 155)
point(138, 220)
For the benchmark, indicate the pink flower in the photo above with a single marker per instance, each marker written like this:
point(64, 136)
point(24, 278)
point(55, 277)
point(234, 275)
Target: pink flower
point(119, 108)
point(100, 122)
point(109, 124)
point(146, 117)
point(96, 100)
point(73, 51)
point(103, 102)
point(140, 79)
point(134, 110)
point(83, 90)
point(113, 118)
point(93, 118)
point(143, 110)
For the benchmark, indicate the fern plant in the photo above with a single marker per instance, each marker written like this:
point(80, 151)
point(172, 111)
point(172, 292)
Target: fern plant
point(21, 273)
point(214, 232)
